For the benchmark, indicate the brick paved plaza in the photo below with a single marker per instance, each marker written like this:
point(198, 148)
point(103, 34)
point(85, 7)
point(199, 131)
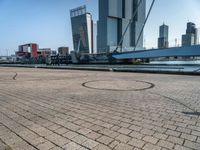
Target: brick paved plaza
point(78, 110)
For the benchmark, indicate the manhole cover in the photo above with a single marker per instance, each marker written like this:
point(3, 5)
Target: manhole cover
point(118, 85)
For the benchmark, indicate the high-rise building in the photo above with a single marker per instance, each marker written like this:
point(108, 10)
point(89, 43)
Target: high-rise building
point(191, 28)
point(63, 51)
point(82, 30)
point(44, 52)
point(188, 40)
point(94, 38)
point(163, 37)
point(114, 16)
point(31, 48)
point(191, 36)
point(197, 36)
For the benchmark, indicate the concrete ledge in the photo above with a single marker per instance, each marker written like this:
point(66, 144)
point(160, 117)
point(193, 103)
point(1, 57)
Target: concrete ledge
point(136, 69)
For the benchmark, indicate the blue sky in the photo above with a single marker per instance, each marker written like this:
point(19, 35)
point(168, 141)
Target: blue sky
point(47, 22)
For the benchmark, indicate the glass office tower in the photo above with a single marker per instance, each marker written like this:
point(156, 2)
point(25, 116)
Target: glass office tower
point(82, 30)
point(114, 16)
point(163, 41)
point(191, 36)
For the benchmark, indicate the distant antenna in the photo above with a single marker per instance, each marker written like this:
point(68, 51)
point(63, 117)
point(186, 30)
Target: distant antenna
point(176, 41)
point(7, 52)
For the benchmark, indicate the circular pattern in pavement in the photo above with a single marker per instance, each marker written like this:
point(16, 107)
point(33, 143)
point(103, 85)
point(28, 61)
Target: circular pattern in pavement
point(118, 85)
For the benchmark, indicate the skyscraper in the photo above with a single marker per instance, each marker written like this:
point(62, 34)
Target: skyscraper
point(94, 38)
point(191, 36)
point(163, 37)
point(82, 30)
point(114, 16)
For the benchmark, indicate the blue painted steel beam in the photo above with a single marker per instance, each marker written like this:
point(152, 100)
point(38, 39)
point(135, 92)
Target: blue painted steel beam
point(156, 53)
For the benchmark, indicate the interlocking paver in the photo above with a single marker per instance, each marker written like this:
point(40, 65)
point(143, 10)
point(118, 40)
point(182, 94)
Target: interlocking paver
point(192, 145)
point(135, 128)
point(124, 131)
point(115, 128)
point(70, 134)
point(175, 140)
point(166, 144)
point(136, 135)
point(57, 139)
point(109, 133)
point(198, 140)
point(93, 135)
point(107, 125)
point(124, 124)
point(149, 146)
point(54, 127)
point(136, 143)
point(101, 147)
point(56, 148)
point(160, 136)
point(147, 132)
point(196, 133)
point(114, 144)
point(79, 139)
point(123, 147)
point(159, 129)
point(183, 130)
point(38, 141)
point(90, 144)
point(123, 138)
point(150, 139)
point(61, 130)
point(173, 133)
point(169, 126)
point(3, 146)
point(72, 146)
point(50, 109)
point(105, 140)
point(189, 137)
point(45, 146)
point(178, 147)
point(84, 131)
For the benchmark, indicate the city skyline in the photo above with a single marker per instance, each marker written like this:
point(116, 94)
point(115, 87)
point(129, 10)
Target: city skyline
point(51, 27)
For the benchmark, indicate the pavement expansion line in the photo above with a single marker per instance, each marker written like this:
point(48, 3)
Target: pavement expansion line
point(6, 147)
point(14, 77)
point(183, 104)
